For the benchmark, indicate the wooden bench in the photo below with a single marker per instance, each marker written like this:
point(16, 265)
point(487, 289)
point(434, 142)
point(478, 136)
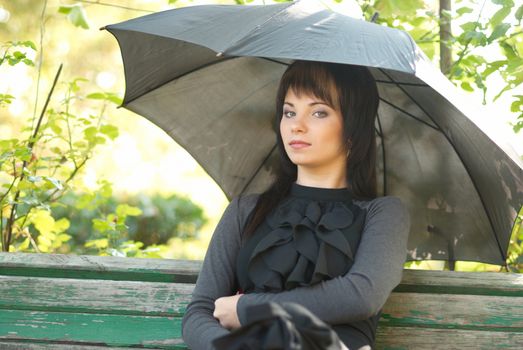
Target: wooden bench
point(87, 302)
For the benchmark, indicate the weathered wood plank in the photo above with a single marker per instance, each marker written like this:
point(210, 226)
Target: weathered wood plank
point(70, 295)
point(186, 271)
point(98, 267)
point(408, 338)
point(500, 313)
point(454, 282)
point(91, 329)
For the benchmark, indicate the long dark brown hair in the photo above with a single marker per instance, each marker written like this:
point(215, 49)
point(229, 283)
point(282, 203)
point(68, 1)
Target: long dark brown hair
point(349, 88)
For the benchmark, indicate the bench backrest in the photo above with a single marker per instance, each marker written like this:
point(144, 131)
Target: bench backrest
point(66, 302)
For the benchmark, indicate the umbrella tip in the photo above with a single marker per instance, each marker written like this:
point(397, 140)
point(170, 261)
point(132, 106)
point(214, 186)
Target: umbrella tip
point(375, 17)
point(102, 28)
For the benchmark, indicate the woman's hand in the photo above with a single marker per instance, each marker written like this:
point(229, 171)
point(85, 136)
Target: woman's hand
point(225, 311)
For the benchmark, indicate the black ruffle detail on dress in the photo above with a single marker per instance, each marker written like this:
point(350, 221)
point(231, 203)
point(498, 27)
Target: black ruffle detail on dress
point(311, 237)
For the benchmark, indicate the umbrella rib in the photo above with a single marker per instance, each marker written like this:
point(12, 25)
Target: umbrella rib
point(410, 114)
point(258, 169)
point(464, 165)
point(383, 156)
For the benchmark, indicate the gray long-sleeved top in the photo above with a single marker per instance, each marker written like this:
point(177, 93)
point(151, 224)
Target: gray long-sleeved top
point(357, 295)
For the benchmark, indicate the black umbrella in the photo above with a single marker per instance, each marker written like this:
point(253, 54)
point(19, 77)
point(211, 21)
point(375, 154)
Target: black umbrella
point(208, 75)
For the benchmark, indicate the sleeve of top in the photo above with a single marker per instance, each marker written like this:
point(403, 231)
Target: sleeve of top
point(362, 292)
point(216, 279)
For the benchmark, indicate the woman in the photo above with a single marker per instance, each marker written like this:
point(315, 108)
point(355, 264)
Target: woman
point(318, 236)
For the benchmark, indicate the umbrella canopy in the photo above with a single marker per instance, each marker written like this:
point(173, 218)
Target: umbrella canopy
point(208, 76)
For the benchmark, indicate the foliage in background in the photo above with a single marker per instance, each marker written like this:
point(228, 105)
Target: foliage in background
point(39, 210)
point(515, 252)
point(159, 219)
point(475, 36)
point(37, 168)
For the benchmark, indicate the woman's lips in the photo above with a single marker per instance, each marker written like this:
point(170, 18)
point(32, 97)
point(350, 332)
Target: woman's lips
point(297, 144)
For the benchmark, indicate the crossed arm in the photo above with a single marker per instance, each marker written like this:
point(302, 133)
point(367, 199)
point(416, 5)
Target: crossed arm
point(359, 294)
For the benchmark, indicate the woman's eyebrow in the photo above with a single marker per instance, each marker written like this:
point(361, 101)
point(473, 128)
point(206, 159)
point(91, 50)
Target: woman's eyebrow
point(310, 104)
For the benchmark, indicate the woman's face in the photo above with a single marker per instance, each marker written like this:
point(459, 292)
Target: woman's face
point(312, 132)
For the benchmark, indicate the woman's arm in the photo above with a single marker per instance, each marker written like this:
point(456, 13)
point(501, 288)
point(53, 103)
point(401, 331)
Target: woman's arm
point(216, 278)
point(377, 269)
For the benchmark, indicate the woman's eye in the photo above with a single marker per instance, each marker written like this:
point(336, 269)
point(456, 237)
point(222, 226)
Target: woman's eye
point(320, 114)
point(288, 114)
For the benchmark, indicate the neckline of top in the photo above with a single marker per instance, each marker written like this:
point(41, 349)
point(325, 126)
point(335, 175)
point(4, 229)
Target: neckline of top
point(318, 193)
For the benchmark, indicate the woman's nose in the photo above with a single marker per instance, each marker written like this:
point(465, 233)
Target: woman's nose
point(298, 124)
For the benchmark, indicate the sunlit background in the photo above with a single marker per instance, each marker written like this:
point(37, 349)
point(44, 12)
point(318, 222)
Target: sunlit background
point(143, 159)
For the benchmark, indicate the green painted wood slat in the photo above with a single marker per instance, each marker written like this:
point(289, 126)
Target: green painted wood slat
point(99, 329)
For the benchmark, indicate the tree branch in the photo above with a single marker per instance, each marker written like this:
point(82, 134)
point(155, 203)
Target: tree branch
point(12, 216)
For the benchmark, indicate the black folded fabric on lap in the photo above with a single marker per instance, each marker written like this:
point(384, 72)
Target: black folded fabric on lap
point(286, 326)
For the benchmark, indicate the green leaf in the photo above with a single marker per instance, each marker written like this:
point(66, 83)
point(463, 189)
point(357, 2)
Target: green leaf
point(389, 8)
point(114, 98)
point(65, 9)
point(123, 210)
point(493, 67)
point(504, 3)
point(499, 16)
point(102, 225)
point(446, 14)
point(469, 26)
point(516, 106)
point(90, 133)
point(109, 96)
point(96, 96)
point(56, 129)
point(499, 31)
point(43, 222)
point(75, 14)
point(508, 50)
point(24, 245)
point(101, 243)
point(476, 38)
point(6, 99)
point(61, 225)
point(23, 153)
point(110, 130)
point(64, 237)
point(28, 43)
point(55, 182)
point(519, 13)
point(462, 10)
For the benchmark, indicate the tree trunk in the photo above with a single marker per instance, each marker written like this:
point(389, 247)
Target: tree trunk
point(445, 36)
